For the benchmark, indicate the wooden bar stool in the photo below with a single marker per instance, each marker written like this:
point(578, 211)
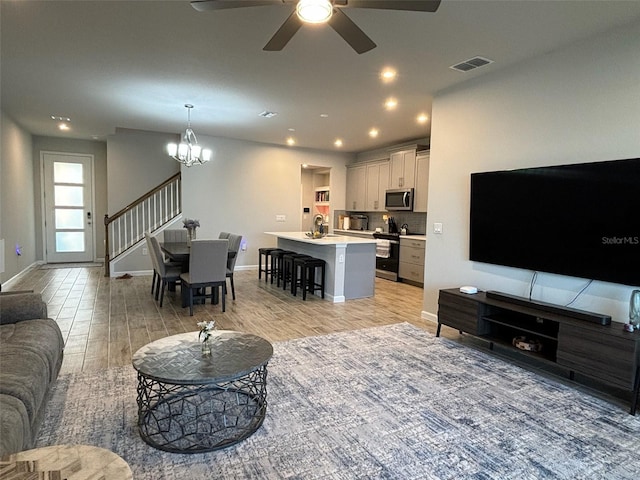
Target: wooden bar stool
point(277, 264)
point(307, 280)
point(288, 271)
point(265, 252)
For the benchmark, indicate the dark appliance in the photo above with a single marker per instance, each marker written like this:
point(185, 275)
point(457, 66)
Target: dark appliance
point(387, 255)
point(399, 199)
point(393, 226)
point(579, 220)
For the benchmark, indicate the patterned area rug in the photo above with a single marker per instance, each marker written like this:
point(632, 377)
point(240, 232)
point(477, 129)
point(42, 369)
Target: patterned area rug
point(388, 402)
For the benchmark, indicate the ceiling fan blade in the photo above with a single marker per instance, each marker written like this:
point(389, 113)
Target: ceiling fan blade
point(412, 5)
point(285, 33)
point(351, 33)
point(205, 5)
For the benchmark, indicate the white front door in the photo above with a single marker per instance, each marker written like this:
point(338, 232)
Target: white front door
point(68, 203)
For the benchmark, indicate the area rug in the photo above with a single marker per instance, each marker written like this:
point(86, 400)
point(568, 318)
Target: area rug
point(389, 402)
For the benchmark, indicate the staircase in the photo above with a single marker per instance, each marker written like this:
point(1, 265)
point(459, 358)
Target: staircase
point(125, 229)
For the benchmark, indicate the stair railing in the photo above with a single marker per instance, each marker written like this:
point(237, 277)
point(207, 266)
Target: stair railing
point(151, 211)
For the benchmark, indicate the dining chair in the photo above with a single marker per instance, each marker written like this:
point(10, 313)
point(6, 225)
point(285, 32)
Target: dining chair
point(234, 249)
point(207, 268)
point(167, 272)
point(178, 235)
point(154, 262)
point(224, 235)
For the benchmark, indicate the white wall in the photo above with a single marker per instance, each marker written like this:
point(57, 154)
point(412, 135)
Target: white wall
point(137, 162)
point(17, 222)
point(247, 184)
point(580, 104)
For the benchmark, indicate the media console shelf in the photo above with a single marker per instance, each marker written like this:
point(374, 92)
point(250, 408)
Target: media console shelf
point(578, 341)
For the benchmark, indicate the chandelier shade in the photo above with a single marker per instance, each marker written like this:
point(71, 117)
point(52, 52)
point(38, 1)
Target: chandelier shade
point(188, 152)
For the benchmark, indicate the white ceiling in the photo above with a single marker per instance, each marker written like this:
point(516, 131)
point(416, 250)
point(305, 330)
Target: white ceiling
point(134, 64)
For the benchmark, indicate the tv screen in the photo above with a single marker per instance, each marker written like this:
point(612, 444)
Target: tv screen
point(580, 220)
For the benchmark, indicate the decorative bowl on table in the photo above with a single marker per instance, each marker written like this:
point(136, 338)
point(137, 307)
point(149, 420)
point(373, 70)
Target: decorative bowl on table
point(316, 234)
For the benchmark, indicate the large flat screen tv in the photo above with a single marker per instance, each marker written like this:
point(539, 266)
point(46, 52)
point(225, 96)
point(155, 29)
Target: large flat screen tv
point(580, 220)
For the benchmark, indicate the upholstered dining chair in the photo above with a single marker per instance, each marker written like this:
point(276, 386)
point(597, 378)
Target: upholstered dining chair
point(154, 261)
point(234, 248)
point(207, 268)
point(178, 235)
point(224, 235)
point(167, 272)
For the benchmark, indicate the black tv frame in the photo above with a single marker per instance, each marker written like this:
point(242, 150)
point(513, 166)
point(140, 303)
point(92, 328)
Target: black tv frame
point(579, 220)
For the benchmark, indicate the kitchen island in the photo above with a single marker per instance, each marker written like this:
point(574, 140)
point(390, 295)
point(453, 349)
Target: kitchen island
point(350, 262)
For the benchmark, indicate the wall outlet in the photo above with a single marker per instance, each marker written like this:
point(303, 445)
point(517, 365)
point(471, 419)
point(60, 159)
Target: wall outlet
point(281, 218)
point(437, 228)
point(145, 251)
point(243, 247)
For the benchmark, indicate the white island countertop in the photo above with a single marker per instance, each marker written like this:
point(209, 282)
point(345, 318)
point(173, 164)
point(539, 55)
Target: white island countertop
point(331, 239)
point(350, 262)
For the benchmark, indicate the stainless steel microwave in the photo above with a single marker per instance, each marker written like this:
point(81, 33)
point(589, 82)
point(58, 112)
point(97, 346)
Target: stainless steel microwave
point(400, 199)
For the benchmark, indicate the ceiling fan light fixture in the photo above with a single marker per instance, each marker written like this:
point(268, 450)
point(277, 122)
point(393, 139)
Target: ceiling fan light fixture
point(314, 11)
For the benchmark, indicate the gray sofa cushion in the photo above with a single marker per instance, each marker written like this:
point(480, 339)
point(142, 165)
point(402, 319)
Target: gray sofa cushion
point(15, 428)
point(31, 351)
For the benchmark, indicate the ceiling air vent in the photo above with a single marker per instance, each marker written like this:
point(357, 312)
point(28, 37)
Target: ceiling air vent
point(267, 114)
point(471, 64)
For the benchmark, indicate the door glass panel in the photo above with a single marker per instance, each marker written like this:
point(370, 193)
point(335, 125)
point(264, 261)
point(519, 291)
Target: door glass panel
point(69, 241)
point(68, 196)
point(66, 218)
point(67, 172)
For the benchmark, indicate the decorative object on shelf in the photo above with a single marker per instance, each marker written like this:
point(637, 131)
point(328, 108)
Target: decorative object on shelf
point(527, 344)
point(188, 152)
point(634, 309)
point(205, 335)
point(191, 226)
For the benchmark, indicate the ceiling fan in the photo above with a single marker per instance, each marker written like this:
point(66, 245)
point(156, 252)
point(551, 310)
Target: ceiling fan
point(321, 11)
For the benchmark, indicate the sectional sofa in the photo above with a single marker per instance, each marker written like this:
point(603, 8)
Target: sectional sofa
point(31, 350)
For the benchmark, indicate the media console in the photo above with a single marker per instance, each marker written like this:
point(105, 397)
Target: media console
point(581, 342)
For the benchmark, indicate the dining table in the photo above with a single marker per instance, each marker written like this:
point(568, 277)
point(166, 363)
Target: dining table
point(179, 252)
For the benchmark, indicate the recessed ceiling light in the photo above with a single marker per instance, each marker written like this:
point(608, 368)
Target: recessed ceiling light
point(390, 103)
point(374, 132)
point(291, 141)
point(60, 119)
point(388, 74)
point(422, 118)
point(338, 142)
point(291, 129)
point(63, 126)
point(324, 115)
point(267, 114)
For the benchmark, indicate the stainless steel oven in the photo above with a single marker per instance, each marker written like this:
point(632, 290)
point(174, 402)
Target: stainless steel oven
point(387, 255)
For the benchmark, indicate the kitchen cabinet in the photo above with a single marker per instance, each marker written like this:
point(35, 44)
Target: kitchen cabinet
point(422, 182)
point(412, 253)
point(377, 183)
point(403, 169)
point(356, 187)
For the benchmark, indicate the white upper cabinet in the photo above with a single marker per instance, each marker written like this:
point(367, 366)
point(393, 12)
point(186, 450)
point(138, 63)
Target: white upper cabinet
point(356, 187)
point(377, 185)
point(403, 169)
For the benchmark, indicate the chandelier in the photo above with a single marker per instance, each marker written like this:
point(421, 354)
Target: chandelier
point(188, 152)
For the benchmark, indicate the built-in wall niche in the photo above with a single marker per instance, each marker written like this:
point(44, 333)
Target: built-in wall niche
point(315, 194)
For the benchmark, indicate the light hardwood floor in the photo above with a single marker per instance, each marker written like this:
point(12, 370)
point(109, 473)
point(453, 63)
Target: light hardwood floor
point(105, 320)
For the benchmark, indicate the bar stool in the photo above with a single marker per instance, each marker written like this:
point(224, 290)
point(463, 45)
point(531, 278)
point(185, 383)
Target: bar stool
point(288, 272)
point(308, 276)
point(277, 265)
point(268, 263)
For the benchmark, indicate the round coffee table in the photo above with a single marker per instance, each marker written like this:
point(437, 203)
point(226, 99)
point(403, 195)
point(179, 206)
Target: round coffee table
point(81, 462)
point(192, 403)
